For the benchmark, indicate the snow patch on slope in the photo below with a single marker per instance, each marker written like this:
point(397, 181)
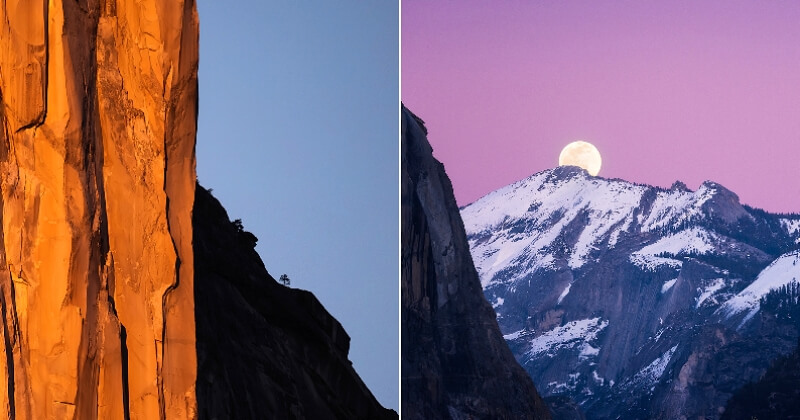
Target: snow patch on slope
point(708, 291)
point(784, 270)
point(694, 240)
point(671, 208)
point(587, 351)
point(793, 227)
point(668, 285)
point(651, 373)
point(689, 241)
point(597, 378)
point(571, 335)
point(564, 293)
point(513, 336)
point(498, 303)
point(651, 262)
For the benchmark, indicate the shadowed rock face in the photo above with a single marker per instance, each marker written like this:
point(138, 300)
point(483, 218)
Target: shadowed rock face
point(98, 167)
point(455, 363)
point(775, 396)
point(265, 350)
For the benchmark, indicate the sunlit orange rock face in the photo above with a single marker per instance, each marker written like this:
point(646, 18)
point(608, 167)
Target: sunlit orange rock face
point(97, 173)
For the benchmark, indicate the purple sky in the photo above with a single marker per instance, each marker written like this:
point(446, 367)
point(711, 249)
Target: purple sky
point(667, 90)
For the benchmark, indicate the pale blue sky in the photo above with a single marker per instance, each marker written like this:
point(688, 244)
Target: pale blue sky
point(298, 137)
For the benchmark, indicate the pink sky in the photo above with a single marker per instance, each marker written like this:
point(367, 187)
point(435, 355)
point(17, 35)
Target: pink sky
point(667, 90)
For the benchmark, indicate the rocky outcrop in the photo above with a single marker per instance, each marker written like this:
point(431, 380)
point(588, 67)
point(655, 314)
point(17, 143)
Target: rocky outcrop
point(265, 351)
point(564, 408)
point(98, 120)
point(455, 364)
point(775, 396)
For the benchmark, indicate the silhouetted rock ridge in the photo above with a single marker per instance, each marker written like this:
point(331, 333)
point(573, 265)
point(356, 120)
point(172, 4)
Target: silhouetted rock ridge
point(265, 350)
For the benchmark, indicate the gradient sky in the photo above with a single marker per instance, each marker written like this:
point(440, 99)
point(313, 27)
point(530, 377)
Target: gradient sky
point(298, 137)
point(667, 90)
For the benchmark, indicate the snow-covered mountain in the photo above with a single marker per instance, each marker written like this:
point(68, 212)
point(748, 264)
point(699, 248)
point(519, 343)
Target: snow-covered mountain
point(633, 300)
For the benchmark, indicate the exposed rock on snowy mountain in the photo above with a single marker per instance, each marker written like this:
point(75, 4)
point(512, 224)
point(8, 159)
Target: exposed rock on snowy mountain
point(634, 301)
point(455, 363)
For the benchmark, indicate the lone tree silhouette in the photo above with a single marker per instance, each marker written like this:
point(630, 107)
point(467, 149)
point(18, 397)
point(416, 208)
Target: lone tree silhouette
point(285, 279)
point(238, 224)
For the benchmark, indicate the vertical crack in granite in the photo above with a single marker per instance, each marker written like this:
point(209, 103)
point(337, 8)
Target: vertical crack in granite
point(9, 371)
point(126, 398)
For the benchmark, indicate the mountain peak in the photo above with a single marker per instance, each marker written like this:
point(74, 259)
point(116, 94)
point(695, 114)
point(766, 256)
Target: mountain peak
point(567, 201)
point(715, 188)
point(567, 172)
point(679, 186)
point(721, 202)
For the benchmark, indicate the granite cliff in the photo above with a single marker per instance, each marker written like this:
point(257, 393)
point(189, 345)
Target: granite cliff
point(100, 315)
point(455, 363)
point(98, 168)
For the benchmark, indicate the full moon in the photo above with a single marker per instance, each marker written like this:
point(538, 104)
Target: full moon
point(583, 154)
